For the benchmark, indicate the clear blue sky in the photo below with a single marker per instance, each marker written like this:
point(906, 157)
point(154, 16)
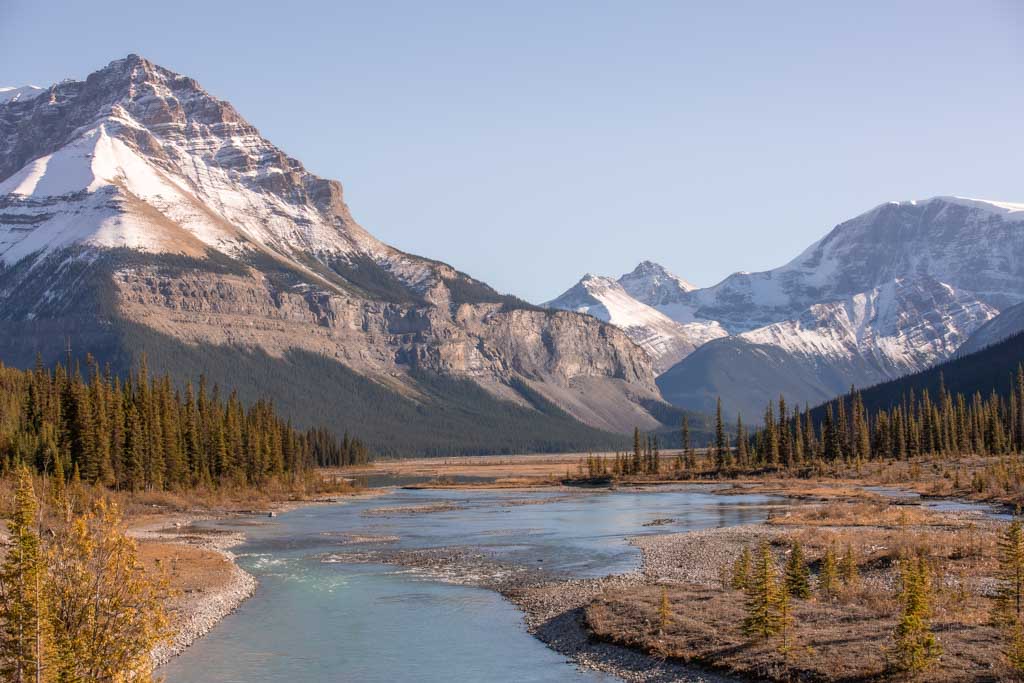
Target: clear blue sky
point(529, 143)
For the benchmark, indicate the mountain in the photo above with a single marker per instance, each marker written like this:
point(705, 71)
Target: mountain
point(141, 214)
point(890, 292)
point(1007, 324)
point(632, 303)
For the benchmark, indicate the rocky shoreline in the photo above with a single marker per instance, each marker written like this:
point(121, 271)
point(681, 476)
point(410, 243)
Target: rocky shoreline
point(554, 612)
point(196, 613)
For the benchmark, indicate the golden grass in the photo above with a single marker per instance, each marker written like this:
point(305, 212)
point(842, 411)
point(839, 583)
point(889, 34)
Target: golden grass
point(847, 638)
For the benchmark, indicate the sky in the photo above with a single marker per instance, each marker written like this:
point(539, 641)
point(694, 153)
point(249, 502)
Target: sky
point(532, 142)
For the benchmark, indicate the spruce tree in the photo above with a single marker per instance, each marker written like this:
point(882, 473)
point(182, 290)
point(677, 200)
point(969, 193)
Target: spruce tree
point(797, 577)
point(637, 451)
point(762, 606)
point(664, 612)
point(742, 457)
point(1015, 647)
point(828, 574)
point(721, 447)
point(1010, 594)
point(916, 647)
point(786, 621)
point(848, 569)
point(740, 575)
point(23, 614)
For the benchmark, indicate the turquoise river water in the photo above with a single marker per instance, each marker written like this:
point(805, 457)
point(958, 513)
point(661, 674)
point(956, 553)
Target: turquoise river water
point(312, 620)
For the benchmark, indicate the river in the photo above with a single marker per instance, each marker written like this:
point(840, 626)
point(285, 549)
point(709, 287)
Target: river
point(316, 620)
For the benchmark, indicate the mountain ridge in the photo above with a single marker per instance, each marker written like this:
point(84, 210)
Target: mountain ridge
point(891, 291)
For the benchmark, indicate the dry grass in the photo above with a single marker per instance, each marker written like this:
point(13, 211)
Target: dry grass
point(848, 638)
point(845, 640)
point(859, 513)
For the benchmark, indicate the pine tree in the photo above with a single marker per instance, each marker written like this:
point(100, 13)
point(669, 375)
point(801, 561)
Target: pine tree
point(762, 618)
point(916, 647)
point(740, 576)
point(23, 614)
point(797, 581)
point(1010, 595)
point(828, 575)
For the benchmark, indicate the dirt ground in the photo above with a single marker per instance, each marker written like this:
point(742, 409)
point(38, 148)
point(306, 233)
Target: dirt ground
point(530, 467)
point(190, 570)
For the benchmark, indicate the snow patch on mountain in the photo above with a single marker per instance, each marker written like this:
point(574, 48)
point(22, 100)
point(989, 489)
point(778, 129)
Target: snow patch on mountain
point(616, 301)
point(19, 94)
point(664, 339)
point(159, 164)
point(904, 325)
point(970, 202)
point(652, 284)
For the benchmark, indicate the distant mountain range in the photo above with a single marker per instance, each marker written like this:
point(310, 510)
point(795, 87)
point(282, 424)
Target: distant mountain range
point(141, 214)
point(890, 292)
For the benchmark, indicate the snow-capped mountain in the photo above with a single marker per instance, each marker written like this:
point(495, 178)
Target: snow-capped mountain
point(892, 291)
point(972, 245)
point(625, 304)
point(89, 162)
point(134, 203)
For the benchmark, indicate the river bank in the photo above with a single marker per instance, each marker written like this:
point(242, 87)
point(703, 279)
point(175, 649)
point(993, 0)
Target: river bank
point(206, 582)
point(515, 545)
point(555, 613)
point(607, 623)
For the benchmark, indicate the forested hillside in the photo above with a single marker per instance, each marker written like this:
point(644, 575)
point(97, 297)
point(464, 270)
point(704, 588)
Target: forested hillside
point(990, 369)
point(921, 421)
point(141, 433)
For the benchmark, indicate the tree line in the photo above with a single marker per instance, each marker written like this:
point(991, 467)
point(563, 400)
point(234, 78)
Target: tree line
point(142, 433)
point(945, 424)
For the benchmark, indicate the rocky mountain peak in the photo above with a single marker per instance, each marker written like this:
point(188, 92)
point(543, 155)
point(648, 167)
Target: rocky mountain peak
point(654, 285)
point(158, 143)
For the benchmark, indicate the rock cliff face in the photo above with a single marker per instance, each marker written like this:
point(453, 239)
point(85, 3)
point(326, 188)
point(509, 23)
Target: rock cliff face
point(490, 343)
point(136, 198)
